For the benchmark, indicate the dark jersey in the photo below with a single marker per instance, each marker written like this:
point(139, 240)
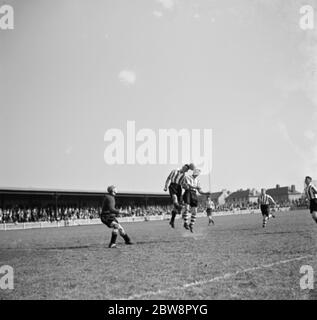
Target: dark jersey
point(109, 203)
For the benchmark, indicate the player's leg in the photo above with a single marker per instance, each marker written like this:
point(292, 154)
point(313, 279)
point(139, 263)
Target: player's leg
point(113, 239)
point(210, 219)
point(124, 235)
point(174, 192)
point(193, 219)
point(186, 216)
point(265, 220)
point(180, 200)
point(175, 210)
point(265, 215)
point(313, 209)
point(186, 198)
point(117, 228)
point(314, 216)
point(194, 205)
point(106, 220)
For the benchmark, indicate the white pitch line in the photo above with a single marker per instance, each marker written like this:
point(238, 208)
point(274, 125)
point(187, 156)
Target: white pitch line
point(219, 278)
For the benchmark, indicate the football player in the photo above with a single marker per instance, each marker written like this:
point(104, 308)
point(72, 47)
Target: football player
point(191, 185)
point(174, 185)
point(108, 217)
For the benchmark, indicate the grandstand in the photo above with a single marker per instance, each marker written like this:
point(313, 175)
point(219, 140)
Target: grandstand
point(78, 198)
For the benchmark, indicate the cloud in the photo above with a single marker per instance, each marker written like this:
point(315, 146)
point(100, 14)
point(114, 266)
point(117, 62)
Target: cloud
point(167, 4)
point(310, 135)
point(285, 134)
point(69, 150)
point(127, 76)
point(309, 50)
point(157, 14)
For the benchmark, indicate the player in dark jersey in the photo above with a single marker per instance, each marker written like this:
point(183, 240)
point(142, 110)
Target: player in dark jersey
point(108, 217)
point(311, 195)
point(174, 185)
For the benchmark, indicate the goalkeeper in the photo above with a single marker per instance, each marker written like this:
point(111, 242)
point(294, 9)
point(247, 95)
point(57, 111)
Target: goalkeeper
point(108, 217)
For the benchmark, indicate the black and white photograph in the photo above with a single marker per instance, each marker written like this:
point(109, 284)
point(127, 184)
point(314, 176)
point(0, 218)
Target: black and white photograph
point(158, 150)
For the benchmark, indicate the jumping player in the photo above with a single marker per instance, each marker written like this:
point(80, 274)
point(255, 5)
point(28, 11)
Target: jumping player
point(108, 217)
point(174, 185)
point(311, 194)
point(264, 201)
point(209, 207)
point(191, 186)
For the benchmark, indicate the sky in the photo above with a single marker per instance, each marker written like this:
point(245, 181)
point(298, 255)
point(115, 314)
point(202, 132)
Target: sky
point(72, 70)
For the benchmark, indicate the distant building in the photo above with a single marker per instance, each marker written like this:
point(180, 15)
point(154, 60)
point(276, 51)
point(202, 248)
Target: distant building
point(284, 195)
point(242, 198)
point(219, 198)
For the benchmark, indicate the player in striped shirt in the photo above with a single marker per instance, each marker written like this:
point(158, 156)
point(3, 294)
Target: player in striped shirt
point(191, 185)
point(174, 185)
point(311, 194)
point(264, 201)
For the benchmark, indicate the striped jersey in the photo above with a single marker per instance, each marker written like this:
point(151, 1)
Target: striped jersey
point(191, 183)
point(265, 199)
point(176, 176)
point(311, 192)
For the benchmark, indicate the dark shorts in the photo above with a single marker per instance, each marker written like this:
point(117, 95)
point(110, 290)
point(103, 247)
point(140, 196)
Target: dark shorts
point(176, 189)
point(209, 212)
point(313, 205)
point(190, 197)
point(107, 219)
point(265, 209)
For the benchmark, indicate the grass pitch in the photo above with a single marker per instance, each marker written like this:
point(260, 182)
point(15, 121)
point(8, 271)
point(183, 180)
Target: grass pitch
point(235, 259)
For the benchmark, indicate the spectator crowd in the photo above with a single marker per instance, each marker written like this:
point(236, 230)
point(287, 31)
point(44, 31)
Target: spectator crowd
point(50, 214)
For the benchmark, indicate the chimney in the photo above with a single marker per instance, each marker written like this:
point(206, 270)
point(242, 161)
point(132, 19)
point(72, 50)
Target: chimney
point(277, 186)
point(292, 188)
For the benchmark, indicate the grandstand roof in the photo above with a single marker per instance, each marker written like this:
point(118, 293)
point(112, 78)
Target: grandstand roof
point(30, 191)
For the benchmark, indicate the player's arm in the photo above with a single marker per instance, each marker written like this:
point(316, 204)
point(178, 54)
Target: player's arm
point(167, 182)
point(202, 192)
point(272, 200)
point(198, 188)
point(185, 183)
point(111, 207)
